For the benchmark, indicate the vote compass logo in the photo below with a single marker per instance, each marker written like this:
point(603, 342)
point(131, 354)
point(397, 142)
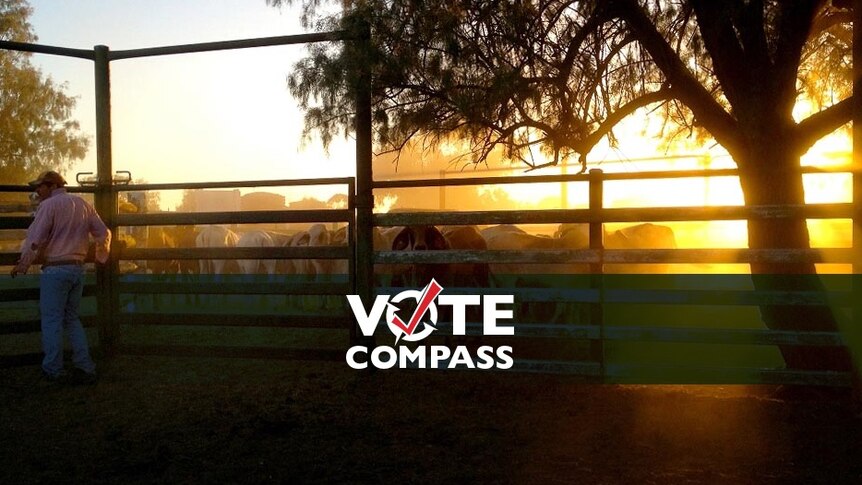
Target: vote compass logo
point(423, 321)
point(425, 305)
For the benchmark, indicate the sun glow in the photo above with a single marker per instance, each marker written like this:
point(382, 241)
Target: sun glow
point(831, 153)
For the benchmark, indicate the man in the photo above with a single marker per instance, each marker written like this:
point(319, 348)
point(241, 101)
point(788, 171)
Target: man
point(60, 234)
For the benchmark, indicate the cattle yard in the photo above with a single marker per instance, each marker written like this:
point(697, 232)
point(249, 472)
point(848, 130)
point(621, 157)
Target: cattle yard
point(574, 316)
point(575, 313)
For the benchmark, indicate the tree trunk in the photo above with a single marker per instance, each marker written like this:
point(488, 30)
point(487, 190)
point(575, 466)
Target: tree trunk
point(770, 175)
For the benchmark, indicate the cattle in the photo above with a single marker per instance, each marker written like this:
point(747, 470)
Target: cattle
point(494, 231)
point(505, 239)
point(339, 238)
point(381, 237)
point(640, 236)
point(529, 275)
point(449, 275)
point(467, 275)
point(419, 238)
point(215, 237)
point(279, 239)
point(256, 239)
point(299, 271)
point(475, 275)
point(316, 270)
point(319, 235)
point(160, 238)
point(161, 269)
point(299, 266)
point(185, 237)
point(330, 270)
point(573, 236)
point(381, 241)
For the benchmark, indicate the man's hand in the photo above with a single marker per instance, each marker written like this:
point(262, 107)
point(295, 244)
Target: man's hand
point(102, 253)
point(18, 269)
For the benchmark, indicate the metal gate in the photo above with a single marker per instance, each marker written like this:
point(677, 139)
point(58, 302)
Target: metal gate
point(109, 290)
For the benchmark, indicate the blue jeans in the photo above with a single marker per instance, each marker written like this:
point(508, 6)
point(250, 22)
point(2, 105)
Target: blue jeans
point(60, 290)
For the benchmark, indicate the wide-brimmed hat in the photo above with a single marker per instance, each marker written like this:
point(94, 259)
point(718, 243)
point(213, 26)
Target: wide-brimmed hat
point(49, 177)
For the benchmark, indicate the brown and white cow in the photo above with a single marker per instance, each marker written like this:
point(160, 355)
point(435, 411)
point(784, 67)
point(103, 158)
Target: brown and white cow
point(420, 238)
point(216, 237)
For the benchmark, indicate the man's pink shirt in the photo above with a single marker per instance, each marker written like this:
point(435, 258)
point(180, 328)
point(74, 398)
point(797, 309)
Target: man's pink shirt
point(62, 228)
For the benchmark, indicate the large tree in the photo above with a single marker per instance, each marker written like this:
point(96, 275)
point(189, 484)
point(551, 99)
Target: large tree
point(560, 75)
point(37, 131)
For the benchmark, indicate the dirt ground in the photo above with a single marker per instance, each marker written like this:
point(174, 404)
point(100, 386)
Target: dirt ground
point(192, 420)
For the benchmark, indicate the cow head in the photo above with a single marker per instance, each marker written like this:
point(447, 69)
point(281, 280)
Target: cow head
point(419, 238)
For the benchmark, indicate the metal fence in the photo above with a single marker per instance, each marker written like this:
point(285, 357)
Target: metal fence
point(220, 311)
point(598, 296)
point(595, 295)
point(105, 190)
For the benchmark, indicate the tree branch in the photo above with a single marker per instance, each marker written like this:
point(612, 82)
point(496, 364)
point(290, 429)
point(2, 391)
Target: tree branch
point(730, 62)
point(820, 124)
point(584, 146)
point(830, 19)
point(794, 27)
point(687, 88)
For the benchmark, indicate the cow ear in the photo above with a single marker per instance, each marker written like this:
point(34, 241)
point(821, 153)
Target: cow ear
point(402, 240)
point(436, 239)
point(340, 236)
point(303, 239)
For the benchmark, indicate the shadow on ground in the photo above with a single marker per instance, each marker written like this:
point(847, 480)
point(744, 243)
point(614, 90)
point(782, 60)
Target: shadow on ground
point(247, 421)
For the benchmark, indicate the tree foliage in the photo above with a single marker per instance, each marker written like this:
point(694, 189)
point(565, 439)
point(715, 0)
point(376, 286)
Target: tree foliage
point(37, 131)
point(560, 75)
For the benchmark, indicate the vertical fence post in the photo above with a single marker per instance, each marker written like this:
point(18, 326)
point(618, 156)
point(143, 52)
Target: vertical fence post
point(855, 339)
point(351, 240)
point(597, 347)
point(106, 204)
point(364, 186)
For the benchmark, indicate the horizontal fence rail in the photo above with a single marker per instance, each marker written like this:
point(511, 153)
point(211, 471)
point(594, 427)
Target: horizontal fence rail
point(634, 214)
point(247, 217)
point(232, 45)
point(669, 334)
point(583, 177)
point(236, 185)
point(272, 252)
point(235, 287)
point(618, 256)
